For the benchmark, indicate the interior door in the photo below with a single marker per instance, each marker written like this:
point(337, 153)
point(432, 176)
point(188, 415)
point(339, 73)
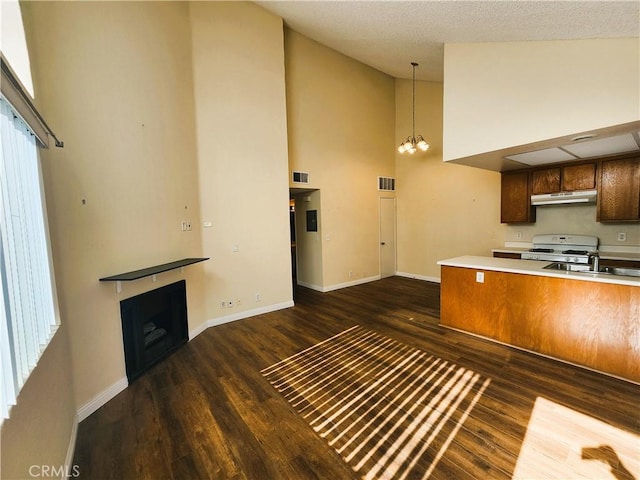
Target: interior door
point(387, 237)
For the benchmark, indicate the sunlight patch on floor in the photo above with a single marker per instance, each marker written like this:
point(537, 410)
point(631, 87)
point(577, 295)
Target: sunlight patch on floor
point(563, 443)
point(390, 410)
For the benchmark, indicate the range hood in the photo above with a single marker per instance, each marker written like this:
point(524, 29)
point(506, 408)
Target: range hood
point(582, 196)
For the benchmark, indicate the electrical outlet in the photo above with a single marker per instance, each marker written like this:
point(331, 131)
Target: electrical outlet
point(518, 235)
point(223, 304)
point(236, 247)
point(258, 297)
point(622, 236)
point(480, 277)
point(183, 225)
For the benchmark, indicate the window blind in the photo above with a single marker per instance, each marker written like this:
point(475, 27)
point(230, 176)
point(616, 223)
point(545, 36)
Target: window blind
point(28, 317)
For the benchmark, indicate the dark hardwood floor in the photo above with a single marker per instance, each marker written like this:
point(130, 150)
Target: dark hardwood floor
point(207, 412)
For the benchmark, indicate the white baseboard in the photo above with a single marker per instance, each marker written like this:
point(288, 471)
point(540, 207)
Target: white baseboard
point(248, 313)
point(106, 395)
point(68, 460)
point(102, 398)
point(352, 283)
point(198, 330)
point(317, 288)
point(338, 286)
point(418, 277)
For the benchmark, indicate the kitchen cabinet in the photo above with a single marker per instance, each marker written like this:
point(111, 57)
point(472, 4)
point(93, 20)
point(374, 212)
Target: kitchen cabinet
point(567, 178)
point(608, 262)
point(515, 198)
point(545, 181)
point(578, 177)
point(619, 192)
point(583, 322)
point(515, 255)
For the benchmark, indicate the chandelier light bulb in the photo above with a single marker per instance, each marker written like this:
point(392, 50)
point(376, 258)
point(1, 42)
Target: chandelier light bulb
point(422, 144)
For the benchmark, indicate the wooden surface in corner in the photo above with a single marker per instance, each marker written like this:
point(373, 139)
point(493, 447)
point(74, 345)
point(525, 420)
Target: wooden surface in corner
point(588, 323)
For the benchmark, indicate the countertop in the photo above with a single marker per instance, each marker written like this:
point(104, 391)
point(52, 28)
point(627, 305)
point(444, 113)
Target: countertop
point(533, 267)
point(603, 252)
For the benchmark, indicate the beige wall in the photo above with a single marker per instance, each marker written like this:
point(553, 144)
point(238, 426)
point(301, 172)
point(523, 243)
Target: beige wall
point(576, 219)
point(499, 95)
point(308, 244)
point(118, 91)
point(238, 64)
point(40, 427)
point(340, 119)
point(443, 210)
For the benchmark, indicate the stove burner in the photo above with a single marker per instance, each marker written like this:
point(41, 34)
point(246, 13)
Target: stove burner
point(543, 250)
point(575, 252)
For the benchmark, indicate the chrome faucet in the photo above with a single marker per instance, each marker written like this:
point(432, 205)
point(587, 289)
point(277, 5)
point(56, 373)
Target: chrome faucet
point(595, 261)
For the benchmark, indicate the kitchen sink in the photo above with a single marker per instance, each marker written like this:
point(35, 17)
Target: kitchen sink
point(626, 271)
point(572, 267)
point(568, 267)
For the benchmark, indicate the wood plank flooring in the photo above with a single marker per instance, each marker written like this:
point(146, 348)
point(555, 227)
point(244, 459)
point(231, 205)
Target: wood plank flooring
point(207, 412)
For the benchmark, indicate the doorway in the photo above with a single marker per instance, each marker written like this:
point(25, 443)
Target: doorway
point(387, 237)
point(306, 250)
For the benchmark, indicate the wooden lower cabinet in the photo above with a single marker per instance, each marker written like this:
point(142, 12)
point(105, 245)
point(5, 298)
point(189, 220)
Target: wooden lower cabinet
point(619, 263)
point(587, 323)
point(507, 255)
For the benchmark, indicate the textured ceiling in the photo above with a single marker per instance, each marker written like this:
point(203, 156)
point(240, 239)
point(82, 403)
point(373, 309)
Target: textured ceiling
point(389, 35)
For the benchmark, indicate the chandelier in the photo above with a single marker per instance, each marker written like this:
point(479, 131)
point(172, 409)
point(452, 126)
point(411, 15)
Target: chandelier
point(412, 143)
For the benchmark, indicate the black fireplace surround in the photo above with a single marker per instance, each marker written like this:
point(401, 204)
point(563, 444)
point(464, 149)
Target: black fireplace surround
point(154, 324)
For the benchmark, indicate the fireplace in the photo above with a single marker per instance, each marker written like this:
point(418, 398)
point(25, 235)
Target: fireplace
point(154, 324)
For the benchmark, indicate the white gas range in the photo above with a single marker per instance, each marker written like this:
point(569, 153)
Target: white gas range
point(562, 248)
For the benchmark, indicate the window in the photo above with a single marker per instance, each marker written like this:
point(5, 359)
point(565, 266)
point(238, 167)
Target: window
point(28, 313)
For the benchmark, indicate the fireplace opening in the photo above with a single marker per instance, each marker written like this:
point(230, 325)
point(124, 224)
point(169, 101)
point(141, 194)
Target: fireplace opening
point(154, 324)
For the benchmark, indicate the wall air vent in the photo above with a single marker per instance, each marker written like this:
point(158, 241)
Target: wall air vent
point(300, 177)
point(387, 184)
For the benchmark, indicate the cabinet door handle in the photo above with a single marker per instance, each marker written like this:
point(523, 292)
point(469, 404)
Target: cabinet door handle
point(382, 243)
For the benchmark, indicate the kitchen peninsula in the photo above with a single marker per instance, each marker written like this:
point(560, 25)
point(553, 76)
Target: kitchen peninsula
point(586, 319)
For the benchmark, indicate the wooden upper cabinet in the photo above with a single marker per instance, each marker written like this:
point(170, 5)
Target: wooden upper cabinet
point(579, 177)
point(567, 178)
point(545, 181)
point(619, 192)
point(515, 204)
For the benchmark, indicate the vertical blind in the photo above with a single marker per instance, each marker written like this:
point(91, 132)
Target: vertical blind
point(28, 317)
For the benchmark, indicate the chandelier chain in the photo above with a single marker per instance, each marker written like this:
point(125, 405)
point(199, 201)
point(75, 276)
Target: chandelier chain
point(413, 102)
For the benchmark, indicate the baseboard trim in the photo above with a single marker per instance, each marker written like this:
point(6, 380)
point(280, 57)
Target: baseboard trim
point(71, 450)
point(338, 286)
point(106, 395)
point(317, 288)
point(198, 330)
point(352, 283)
point(418, 277)
point(102, 398)
point(248, 313)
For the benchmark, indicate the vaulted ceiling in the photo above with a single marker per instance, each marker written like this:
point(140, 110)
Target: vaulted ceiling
point(389, 35)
